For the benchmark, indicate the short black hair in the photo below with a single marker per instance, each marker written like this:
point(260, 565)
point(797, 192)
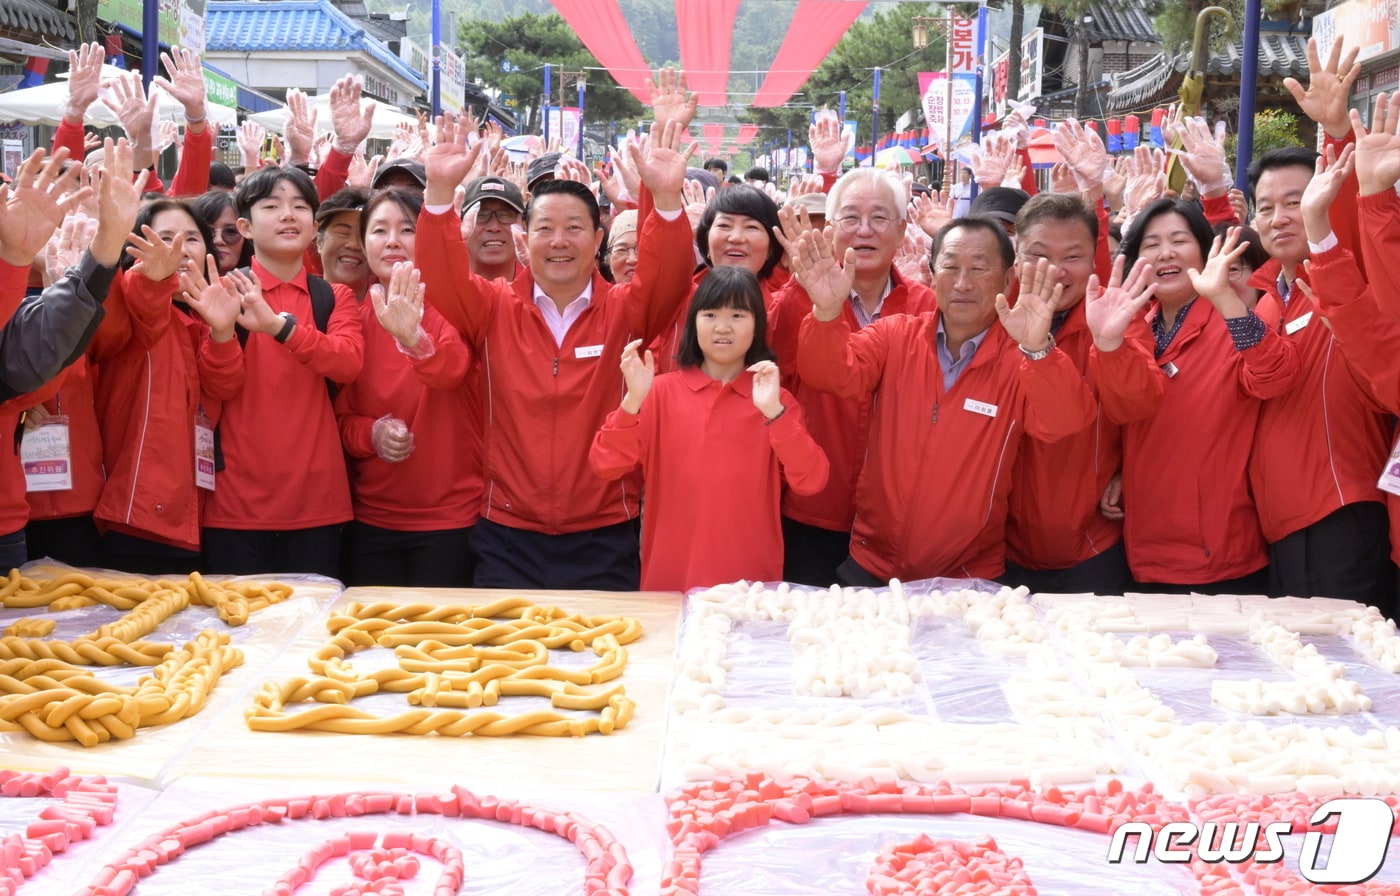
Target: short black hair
point(727, 287)
point(148, 213)
point(1057, 207)
point(974, 222)
point(572, 188)
point(221, 175)
point(260, 184)
point(721, 164)
point(750, 202)
point(758, 174)
point(1196, 222)
point(1283, 157)
point(1255, 256)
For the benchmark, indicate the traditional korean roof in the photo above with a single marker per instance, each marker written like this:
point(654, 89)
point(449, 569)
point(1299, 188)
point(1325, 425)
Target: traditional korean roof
point(1281, 55)
point(1120, 20)
point(38, 17)
point(312, 25)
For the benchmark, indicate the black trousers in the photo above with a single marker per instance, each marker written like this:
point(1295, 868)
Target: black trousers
point(71, 539)
point(131, 553)
point(12, 552)
point(1104, 573)
point(1345, 554)
point(812, 555)
point(603, 559)
point(440, 558)
point(243, 552)
point(1254, 583)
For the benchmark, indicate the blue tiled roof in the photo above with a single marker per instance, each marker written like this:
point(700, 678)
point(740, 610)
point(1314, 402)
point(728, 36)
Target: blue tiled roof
point(315, 25)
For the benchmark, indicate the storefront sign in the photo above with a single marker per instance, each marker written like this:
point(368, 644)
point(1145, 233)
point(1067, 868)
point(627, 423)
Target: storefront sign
point(1371, 26)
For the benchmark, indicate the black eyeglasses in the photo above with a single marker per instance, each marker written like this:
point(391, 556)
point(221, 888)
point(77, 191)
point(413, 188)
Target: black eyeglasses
point(506, 216)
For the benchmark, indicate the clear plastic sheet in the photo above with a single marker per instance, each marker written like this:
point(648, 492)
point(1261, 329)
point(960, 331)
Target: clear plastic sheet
point(501, 859)
point(146, 756)
point(627, 760)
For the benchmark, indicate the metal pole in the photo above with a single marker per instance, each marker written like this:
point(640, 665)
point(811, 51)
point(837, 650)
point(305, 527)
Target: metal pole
point(841, 107)
point(875, 120)
point(436, 98)
point(1249, 83)
point(582, 86)
point(548, 89)
point(982, 56)
point(150, 41)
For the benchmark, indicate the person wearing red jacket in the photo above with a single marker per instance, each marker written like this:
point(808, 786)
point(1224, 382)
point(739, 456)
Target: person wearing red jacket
point(1056, 538)
point(955, 394)
point(410, 422)
point(547, 521)
point(283, 494)
point(868, 211)
point(716, 441)
point(168, 356)
point(1190, 521)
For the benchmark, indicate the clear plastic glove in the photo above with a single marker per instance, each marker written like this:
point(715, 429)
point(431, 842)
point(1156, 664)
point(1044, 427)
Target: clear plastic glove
point(65, 248)
point(391, 439)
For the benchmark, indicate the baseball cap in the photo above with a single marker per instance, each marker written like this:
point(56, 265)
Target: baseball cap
point(814, 203)
point(542, 168)
point(1001, 203)
point(493, 188)
point(348, 199)
point(412, 167)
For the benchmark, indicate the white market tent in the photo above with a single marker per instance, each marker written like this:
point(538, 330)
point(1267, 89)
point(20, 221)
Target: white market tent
point(386, 118)
point(44, 105)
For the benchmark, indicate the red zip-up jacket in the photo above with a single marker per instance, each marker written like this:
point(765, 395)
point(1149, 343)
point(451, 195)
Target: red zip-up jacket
point(158, 367)
point(1321, 444)
point(933, 492)
point(1054, 521)
point(438, 486)
point(544, 402)
point(74, 401)
point(841, 426)
point(284, 467)
point(1189, 517)
point(1379, 216)
point(713, 470)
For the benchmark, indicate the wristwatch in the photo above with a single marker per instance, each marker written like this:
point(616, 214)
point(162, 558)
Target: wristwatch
point(290, 323)
point(1043, 353)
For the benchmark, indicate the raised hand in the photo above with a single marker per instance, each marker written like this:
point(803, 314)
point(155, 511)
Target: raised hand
point(828, 142)
point(1147, 179)
point(1062, 178)
point(1014, 172)
point(250, 141)
point(350, 120)
point(36, 205)
point(638, 373)
point(813, 262)
point(1330, 172)
point(167, 135)
point(807, 183)
point(118, 201)
point(84, 79)
point(1378, 151)
point(185, 84)
point(911, 258)
point(993, 159)
point(65, 248)
point(662, 167)
point(1329, 87)
point(1203, 156)
point(1213, 282)
point(213, 299)
point(136, 112)
point(300, 131)
point(669, 101)
point(1239, 204)
point(254, 314)
point(155, 258)
point(767, 389)
point(931, 212)
point(1116, 183)
point(1041, 290)
point(1110, 311)
point(574, 170)
point(1084, 152)
point(449, 160)
point(697, 199)
point(400, 307)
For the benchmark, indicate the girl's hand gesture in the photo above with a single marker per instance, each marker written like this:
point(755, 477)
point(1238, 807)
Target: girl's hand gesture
point(1108, 312)
point(1213, 283)
point(767, 389)
point(400, 307)
point(156, 258)
point(638, 372)
point(213, 299)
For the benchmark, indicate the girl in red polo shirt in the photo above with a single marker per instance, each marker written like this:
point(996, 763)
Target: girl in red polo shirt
point(715, 440)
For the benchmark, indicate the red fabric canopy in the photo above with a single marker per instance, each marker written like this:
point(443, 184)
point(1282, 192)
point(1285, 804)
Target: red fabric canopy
point(714, 134)
point(746, 134)
point(706, 32)
point(604, 31)
point(816, 27)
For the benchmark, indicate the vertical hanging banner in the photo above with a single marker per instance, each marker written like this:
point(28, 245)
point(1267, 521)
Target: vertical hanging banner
point(453, 72)
point(563, 125)
point(933, 87)
point(962, 44)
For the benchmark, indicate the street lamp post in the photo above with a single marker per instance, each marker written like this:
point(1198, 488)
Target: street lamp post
point(580, 79)
point(944, 26)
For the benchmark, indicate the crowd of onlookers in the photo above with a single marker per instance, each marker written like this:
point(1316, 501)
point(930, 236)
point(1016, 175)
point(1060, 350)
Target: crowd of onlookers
point(459, 367)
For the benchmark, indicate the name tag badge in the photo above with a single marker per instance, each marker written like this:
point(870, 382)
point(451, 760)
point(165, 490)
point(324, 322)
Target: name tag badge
point(1169, 369)
point(203, 451)
point(1297, 323)
point(980, 407)
point(46, 457)
point(1390, 476)
point(588, 351)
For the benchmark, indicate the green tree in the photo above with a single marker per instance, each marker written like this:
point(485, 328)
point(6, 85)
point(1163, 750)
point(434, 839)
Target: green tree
point(510, 55)
point(1273, 129)
point(1176, 23)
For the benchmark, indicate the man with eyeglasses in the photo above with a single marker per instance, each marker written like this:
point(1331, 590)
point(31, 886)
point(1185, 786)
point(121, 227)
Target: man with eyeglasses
point(867, 208)
point(490, 209)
